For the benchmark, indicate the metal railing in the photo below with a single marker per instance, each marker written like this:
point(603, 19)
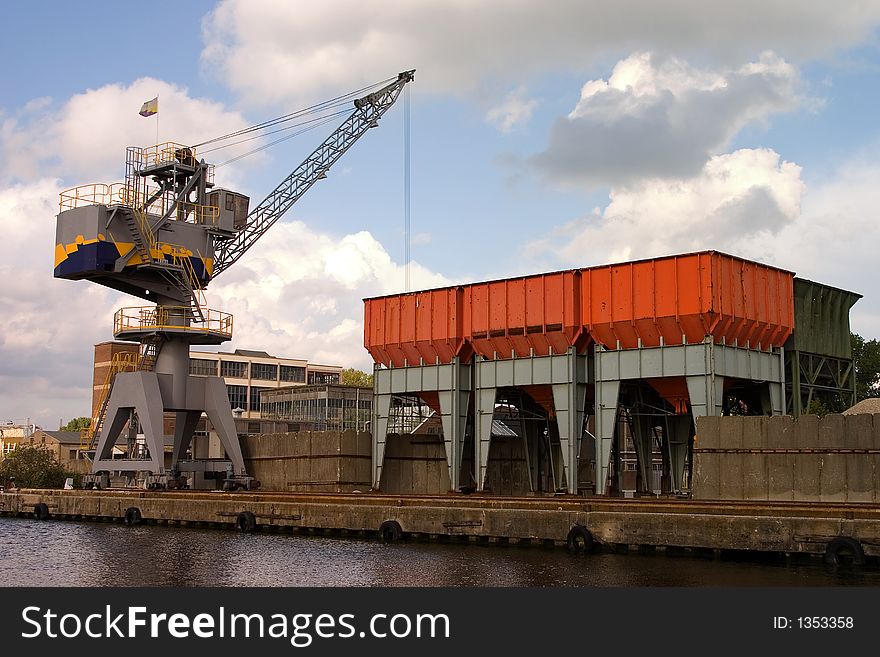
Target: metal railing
point(93, 194)
point(158, 318)
point(169, 152)
point(138, 193)
point(121, 194)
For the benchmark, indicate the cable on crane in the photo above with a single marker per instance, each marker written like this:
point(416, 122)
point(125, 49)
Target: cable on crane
point(318, 107)
point(326, 120)
point(273, 132)
point(406, 196)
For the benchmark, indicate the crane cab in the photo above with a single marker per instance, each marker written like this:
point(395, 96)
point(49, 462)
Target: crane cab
point(232, 210)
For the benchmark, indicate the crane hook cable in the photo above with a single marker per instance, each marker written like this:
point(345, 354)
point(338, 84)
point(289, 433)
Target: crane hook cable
point(293, 115)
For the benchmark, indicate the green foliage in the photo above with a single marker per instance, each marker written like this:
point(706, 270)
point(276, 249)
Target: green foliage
point(866, 359)
point(353, 377)
point(816, 407)
point(33, 467)
point(77, 424)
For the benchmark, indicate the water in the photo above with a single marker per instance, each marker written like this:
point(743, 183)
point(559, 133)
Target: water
point(64, 553)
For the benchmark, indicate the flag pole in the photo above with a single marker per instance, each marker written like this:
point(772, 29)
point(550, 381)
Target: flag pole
point(157, 120)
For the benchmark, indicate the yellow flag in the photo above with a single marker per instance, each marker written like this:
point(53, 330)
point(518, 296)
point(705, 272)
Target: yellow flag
point(150, 107)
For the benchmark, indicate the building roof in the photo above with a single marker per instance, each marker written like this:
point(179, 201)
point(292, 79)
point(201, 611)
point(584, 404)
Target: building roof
point(312, 387)
point(252, 353)
point(64, 437)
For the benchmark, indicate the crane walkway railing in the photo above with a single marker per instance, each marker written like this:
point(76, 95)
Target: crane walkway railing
point(140, 319)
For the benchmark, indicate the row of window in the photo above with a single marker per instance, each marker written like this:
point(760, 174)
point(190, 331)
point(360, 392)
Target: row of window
point(319, 414)
point(259, 371)
point(325, 378)
point(238, 397)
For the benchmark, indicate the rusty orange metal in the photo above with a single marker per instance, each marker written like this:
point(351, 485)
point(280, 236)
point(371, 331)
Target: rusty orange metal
point(517, 317)
point(684, 298)
point(409, 329)
point(670, 300)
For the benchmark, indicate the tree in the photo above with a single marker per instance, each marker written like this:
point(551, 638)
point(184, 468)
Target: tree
point(33, 467)
point(77, 424)
point(353, 377)
point(866, 360)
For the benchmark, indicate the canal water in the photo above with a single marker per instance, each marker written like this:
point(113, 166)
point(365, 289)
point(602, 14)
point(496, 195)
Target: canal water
point(64, 553)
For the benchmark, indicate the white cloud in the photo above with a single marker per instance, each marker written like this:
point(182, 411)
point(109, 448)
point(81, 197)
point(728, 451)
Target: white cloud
point(662, 117)
point(47, 327)
point(272, 51)
point(738, 200)
point(299, 293)
point(749, 203)
point(84, 139)
point(515, 110)
point(835, 239)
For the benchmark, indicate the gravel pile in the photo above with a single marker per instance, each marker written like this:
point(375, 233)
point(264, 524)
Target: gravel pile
point(865, 406)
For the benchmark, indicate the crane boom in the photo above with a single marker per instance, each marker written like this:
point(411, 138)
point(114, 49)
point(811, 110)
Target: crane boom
point(368, 110)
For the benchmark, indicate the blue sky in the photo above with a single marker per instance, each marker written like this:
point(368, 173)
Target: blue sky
point(541, 139)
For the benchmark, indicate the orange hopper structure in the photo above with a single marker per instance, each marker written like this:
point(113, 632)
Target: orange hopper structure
point(677, 299)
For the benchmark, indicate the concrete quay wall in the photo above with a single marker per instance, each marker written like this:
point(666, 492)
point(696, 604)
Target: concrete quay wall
point(310, 461)
point(835, 458)
point(780, 527)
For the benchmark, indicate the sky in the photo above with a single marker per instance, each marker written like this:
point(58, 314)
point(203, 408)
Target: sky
point(543, 136)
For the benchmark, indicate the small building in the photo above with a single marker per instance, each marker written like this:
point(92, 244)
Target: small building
point(323, 407)
point(12, 434)
point(64, 446)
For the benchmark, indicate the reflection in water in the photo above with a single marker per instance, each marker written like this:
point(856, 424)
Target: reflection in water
point(94, 554)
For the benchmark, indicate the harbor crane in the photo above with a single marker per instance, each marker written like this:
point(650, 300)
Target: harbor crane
point(162, 235)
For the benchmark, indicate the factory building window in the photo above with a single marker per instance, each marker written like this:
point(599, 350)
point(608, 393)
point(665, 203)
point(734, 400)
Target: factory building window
point(255, 397)
point(235, 369)
point(237, 397)
point(324, 377)
point(8, 448)
point(293, 374)
point(264, 372)
point(202, 367)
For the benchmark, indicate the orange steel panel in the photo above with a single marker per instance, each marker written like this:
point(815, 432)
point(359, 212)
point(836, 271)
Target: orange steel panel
point(519, 316)
point(410, 328)
point(673, 389)
point(675, 299)
point(685, 298)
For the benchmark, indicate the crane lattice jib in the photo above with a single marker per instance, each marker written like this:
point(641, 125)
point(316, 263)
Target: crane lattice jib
point(367, 112)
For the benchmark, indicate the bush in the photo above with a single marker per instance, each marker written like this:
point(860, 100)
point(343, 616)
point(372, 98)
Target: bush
point(33, 467)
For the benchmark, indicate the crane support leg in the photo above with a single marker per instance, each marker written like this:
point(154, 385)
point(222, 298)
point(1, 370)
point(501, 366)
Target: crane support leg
point(141, 392)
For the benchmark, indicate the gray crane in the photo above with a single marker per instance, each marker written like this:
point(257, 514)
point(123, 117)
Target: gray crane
point(163, 235)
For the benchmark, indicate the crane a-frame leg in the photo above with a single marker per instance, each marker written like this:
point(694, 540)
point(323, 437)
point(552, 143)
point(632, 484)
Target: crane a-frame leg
point(148, 394)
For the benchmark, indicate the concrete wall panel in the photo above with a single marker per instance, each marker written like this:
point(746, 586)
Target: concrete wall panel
point(859, 431)
point(780, 432)
point(859, 478)
point(755, 477)
point(806, 477)
point(731, 477)
point(708, 432)
point(807, 432)
point(780, 475)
